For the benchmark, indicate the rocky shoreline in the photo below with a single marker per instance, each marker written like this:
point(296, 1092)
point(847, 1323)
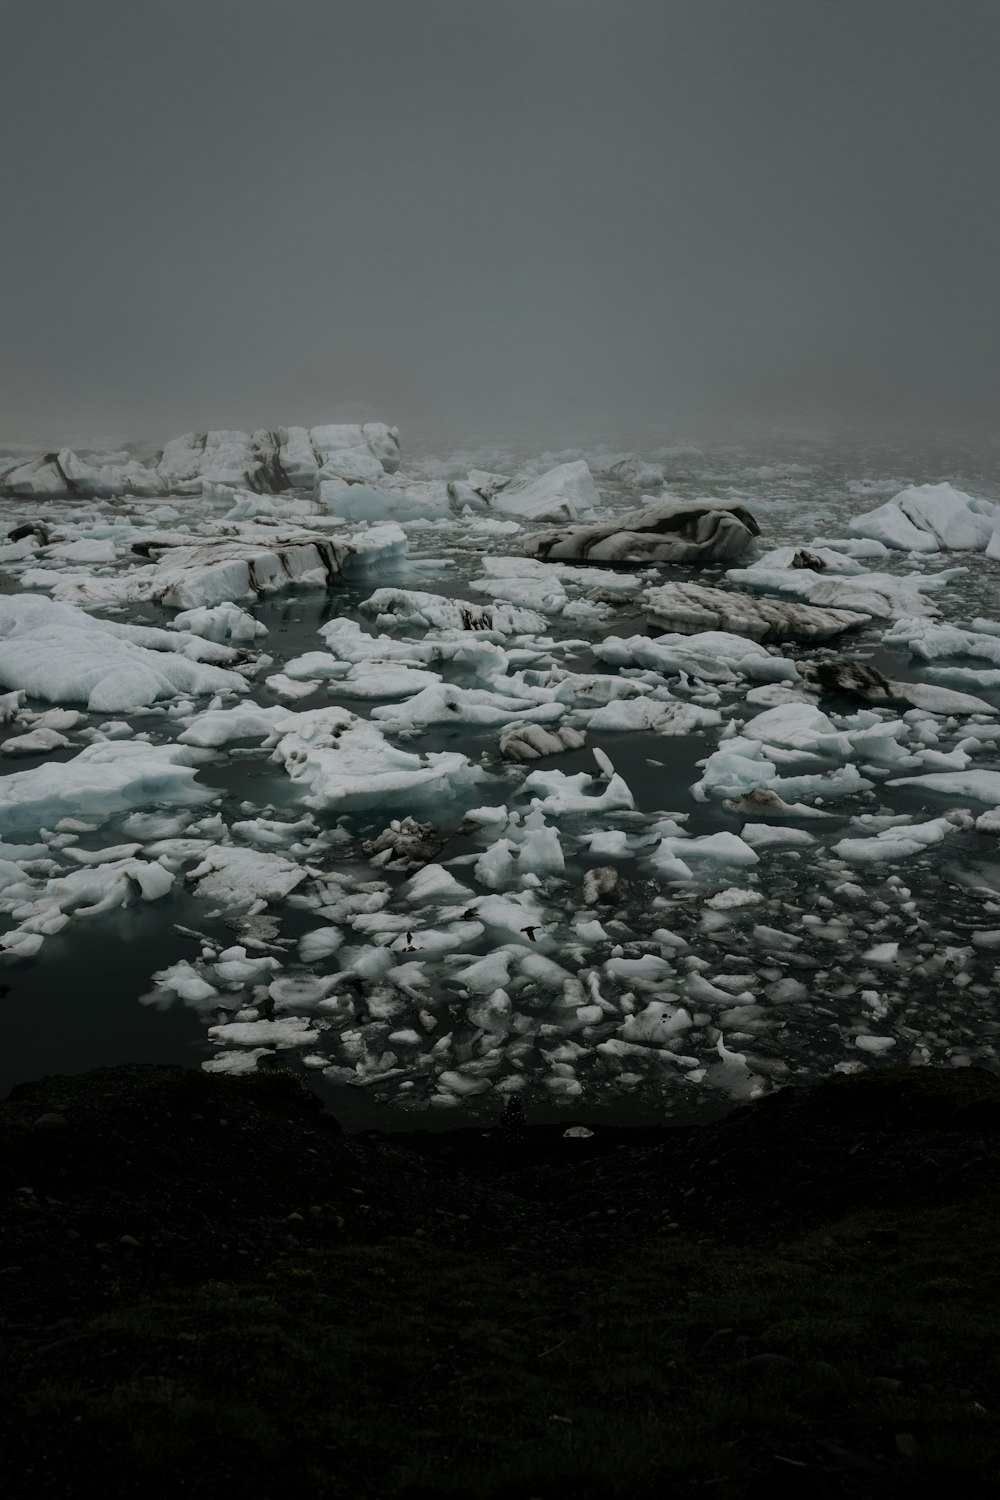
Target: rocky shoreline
point(159, 1193)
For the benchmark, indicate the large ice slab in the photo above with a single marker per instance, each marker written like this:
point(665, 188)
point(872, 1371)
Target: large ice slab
point(898, 842)
point(243, 878)
point(973, 786)
point(243, 562)
point(62, 655)
point(103, 780)
point(688, 608)
point(669, 531)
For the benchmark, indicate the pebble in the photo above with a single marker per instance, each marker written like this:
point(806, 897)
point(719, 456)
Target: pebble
point(130, 1240)
point(51, 1121)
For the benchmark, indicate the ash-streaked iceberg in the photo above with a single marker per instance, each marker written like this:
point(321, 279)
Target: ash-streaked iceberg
point(689, 608)
point(676, 531)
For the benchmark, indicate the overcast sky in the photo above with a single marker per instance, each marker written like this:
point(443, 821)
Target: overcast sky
point(252, 212)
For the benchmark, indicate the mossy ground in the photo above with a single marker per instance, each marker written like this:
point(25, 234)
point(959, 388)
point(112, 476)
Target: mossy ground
point(856, 1358)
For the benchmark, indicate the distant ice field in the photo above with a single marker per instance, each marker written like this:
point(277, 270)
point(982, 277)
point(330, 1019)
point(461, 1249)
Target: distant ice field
point(371, 794)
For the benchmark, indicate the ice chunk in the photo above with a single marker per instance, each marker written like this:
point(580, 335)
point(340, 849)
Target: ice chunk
point(930, 518)
point(561, 494)
point(716, 655)
point(104, 779)
point(896, 842)
point(242, 878)
point(346, 763)
point(869, 1043)
point(974, 786)
point(659, 1022)
point(564, 795)
point(36, 742)
point(532, 742)
point(225, 623)
point(290, 1031)
point(883, 596)
point(767, 836)
point(423, 611)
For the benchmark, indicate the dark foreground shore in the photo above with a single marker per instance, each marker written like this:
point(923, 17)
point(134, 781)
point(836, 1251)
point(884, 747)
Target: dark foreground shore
point(207, 1289)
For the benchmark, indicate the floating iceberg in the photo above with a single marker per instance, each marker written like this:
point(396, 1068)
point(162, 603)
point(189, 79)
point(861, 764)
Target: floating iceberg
point(689, 608)
point(883, 596)
point(62, 655)
point(930, 518)
point(423, 611)
point(265, 461)
point(243, 878)
point(670, 531)
point(347, 764)
point(104, 779)
point(561, 494)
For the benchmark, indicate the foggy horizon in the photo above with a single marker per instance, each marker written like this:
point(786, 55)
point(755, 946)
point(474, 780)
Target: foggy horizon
point(546, 216)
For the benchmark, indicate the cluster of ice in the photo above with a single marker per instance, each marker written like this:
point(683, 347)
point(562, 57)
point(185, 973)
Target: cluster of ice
point(564, 933)
point(199, 462)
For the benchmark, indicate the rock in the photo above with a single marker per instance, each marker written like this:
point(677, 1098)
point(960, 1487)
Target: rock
point(51, 1121)
point(405, 845)
point(602, 884)
point(689, 608)
point(669, 531)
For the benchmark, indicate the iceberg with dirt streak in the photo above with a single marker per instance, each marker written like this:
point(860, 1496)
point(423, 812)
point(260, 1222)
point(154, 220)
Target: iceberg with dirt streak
point(675, 531)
